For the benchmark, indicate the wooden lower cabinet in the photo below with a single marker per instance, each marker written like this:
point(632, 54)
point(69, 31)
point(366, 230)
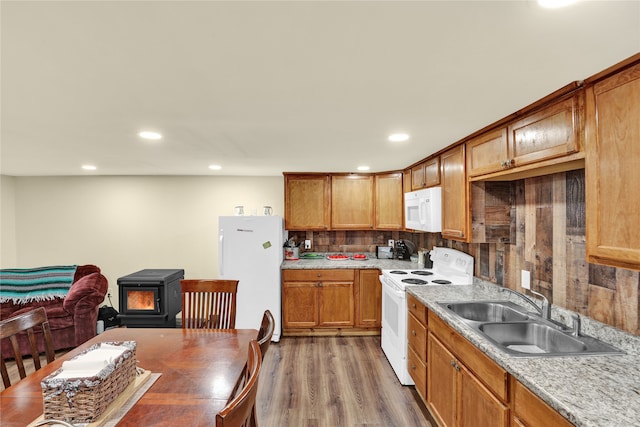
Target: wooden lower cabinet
point(530, 411)
point(368, 299)
point(417, 342)
point(333, 301)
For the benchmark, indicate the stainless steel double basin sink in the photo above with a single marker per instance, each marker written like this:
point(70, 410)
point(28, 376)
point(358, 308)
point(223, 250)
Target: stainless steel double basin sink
point(519, 332)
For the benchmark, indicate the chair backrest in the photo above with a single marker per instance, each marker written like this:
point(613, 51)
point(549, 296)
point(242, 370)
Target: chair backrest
point(266, 332)
point(27, 322)
point(240, 410)
point(209, 304)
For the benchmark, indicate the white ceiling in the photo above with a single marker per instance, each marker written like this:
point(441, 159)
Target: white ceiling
point(265, 87)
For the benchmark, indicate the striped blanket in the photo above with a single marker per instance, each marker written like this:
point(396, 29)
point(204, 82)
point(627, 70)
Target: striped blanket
point(23, 285)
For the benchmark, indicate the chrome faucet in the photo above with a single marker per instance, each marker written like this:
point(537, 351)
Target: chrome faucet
point(575, 320)
point(544, 311)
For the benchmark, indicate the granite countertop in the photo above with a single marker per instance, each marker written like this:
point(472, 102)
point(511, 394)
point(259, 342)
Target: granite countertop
point(370, 263)
point(590, 391)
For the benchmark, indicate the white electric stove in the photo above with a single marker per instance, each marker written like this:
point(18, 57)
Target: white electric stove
point(450, 267)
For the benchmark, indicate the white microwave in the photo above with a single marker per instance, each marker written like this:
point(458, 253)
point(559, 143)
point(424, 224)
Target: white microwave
point(423, 210)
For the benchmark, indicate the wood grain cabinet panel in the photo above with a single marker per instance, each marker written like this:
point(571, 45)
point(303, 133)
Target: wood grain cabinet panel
point(551, 132)
point(388, 201)
point(352, 202)
point(425, 174)
point(455, 194)
point(531, 411)
point(369, 299)
point(613, 170)
point(487, 153)
point(307, 202)
point(475, 388)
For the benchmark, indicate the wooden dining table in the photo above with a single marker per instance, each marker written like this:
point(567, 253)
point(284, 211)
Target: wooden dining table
point(198, 367)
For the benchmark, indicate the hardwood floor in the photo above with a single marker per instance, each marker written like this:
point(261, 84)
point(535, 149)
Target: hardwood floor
point(334, 381)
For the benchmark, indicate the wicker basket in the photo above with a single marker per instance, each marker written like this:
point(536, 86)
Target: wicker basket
point(83, 400)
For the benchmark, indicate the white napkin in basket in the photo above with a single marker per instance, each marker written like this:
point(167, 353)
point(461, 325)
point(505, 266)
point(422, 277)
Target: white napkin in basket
point(92, 362)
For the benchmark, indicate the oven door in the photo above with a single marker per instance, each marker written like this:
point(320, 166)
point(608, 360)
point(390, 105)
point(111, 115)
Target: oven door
point(394, 329)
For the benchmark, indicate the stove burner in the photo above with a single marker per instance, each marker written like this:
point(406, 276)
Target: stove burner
point(415, 281)
point(422, 273)
point(398, 272)
point(441, 282)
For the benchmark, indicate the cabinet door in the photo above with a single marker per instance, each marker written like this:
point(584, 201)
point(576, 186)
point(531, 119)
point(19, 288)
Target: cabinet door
point(426, 174)
point(336, 304)
point(306, 202)
point(432, 172)
point(487, 153)
point(455, 190)
point(441, 382)
point(299, 304)
point(369, 299)
point(613, 170)
point(388, 201)
point(551, 132)
point(477, 405)
point(352, 202)
point(417, 177)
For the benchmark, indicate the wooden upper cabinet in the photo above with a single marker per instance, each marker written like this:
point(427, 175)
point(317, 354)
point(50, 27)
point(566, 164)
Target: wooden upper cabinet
point(426, 174)
point(388, 201)
point(352, 202)
point(487, 153)
point(307, 201)
point(548, 138)
point(551, 132)
point(455, 194)
point(613, 170)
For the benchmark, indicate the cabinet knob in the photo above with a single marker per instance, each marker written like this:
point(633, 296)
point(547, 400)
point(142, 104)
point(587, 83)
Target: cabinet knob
point(319, 274)
point(413, 333)
point(413, 305)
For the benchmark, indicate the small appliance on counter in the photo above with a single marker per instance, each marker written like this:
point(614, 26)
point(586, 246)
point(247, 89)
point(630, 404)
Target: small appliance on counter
point(404, 249)
point(384, 252)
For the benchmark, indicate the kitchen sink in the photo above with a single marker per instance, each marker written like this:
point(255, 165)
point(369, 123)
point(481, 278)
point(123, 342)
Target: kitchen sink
point(519, 332)
point(488, 311)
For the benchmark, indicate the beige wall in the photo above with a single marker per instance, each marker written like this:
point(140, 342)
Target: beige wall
point(125, 224)
point(7, 221)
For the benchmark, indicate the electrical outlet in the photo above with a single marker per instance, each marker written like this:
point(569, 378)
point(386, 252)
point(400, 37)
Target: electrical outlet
point(307, 244)
point(525, 280)
point(391, 243)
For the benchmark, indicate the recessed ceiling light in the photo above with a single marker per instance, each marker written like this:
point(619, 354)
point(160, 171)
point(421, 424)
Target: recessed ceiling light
point(89, 167)
point(554, 4)
point(363, 168)
point(149, 135)
point(215, 167)
point(398, 137)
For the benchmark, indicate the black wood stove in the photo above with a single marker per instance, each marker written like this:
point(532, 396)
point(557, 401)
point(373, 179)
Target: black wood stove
point(150, 298)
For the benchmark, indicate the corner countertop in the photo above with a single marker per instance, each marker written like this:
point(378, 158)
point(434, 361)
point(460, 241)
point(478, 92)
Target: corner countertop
point(590, 391)
point(370, 263)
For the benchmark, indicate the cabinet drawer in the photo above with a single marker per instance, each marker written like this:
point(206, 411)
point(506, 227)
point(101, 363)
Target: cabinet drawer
point(530, 410)
point(417, 309)
point(417, 336)
point(418, 371)
point(317, 275)
point(493, 376)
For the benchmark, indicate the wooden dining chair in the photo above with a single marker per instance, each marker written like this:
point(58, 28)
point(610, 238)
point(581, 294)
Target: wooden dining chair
point(240, 410)
point(266, 332)
point(209, 304)
point(27, 322)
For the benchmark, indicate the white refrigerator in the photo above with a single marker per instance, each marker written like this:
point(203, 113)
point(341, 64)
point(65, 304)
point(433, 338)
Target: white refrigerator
point(250, 250)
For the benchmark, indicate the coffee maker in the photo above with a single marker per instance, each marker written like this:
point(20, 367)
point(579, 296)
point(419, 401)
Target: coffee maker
point(402, 250)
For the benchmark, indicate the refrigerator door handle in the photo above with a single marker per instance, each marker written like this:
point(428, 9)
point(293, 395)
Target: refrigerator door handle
point(221, 255)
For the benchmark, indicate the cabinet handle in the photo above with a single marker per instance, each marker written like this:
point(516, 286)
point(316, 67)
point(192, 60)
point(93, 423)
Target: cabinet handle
point(455, 365)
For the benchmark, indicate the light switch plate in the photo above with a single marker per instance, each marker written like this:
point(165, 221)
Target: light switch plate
point(391, 243)
point(307, 244)
point(525, 280)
